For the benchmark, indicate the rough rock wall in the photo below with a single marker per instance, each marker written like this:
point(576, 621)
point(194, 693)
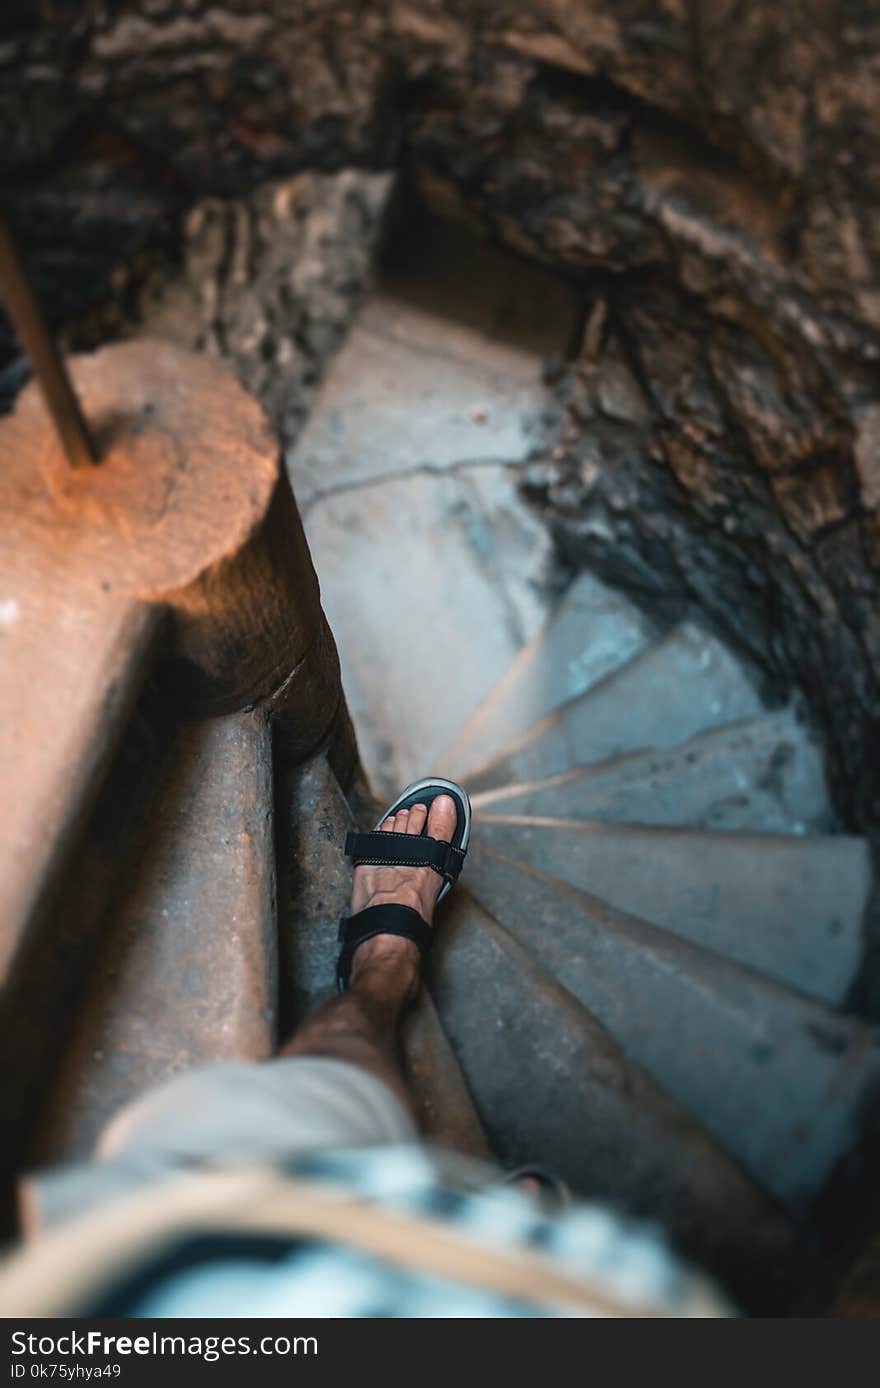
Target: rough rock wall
point(268, 282)
point(709, 168)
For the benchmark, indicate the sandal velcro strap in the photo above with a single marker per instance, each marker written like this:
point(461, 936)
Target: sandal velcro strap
point(390, 919)
point(405, 850)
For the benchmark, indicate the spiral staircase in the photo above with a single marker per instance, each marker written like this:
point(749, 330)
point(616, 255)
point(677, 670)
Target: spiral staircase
point(641, 981)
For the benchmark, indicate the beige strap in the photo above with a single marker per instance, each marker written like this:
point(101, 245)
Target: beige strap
point(70, 1266)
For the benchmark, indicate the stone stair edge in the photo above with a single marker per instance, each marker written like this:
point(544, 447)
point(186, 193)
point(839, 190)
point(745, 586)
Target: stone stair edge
point(652, 650)
point(526, 655)
point(626, 829)
point(622, 760)
point(613, 918)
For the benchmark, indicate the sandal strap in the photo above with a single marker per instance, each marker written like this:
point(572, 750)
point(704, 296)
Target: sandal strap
point(389, 919)
point(405, 850)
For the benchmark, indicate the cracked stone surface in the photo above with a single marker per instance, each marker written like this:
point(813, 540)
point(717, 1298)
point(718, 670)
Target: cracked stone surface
point(443, 364)
point(452, 576)
point(407, 474)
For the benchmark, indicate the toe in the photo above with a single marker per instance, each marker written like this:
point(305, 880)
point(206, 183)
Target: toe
point(401, 819)
point(442, 818)
point(417, 816)
point(388, 825)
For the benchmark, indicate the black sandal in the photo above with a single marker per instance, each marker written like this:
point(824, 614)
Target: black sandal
point(404, 850)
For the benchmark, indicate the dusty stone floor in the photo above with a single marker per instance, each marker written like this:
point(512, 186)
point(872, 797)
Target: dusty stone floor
point(433, 570)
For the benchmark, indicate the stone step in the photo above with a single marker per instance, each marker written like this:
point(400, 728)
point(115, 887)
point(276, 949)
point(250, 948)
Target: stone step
point(790, 907)
point(443, 364)
point(458, 639)
point(763, 774)
point(679, 686)
point(187, 972)
point(314, 884)
point(444, 1106)
point(593, 631)
point(779, 1079)
point(552, 1087)
point(409, 468)
point(314, 889)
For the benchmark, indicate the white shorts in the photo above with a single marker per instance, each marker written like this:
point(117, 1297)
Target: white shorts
point(231, 1111)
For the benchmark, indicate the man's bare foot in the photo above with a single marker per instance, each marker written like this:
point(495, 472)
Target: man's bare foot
point(404, 886)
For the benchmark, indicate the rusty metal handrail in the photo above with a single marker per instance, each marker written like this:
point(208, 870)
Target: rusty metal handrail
point(47, 363)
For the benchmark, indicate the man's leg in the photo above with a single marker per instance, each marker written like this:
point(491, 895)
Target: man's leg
point(362, 1026)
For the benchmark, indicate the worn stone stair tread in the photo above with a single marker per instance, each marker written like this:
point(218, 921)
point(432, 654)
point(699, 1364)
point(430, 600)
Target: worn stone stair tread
point(458, 326)
point(593, 631)
point(444, 1105)
point(760, 774)
point(315, 883)
point(188, 973)
point(315, 886)
point(553, 1087)
point(789, 906)
point(469, 524)
point(779, 1079)
point(410, 464)
point(678, 686)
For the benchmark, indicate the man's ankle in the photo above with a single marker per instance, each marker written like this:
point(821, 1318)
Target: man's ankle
point(389, 964)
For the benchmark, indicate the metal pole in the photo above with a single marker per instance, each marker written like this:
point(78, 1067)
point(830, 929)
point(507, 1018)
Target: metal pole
point(47, 363)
